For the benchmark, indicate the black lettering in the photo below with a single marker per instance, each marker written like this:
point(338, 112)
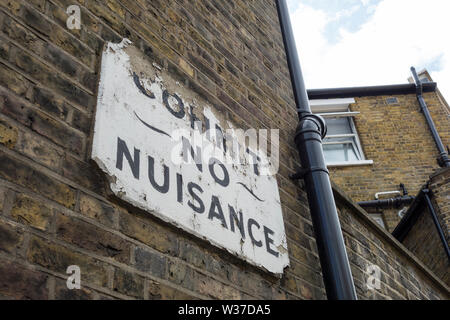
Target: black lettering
point(201, 207)
point(194, 118)
point(122, 150)
point(251, 223)
point(225, 181)
point(220, 139)
point(269, 241)
point(256, 159)
point(180, 113)
point(197, 157)
point(207, 129)
point(179, 188)
point(151, 176)
point(239, 221)
point(137, 81)
point(215, 203)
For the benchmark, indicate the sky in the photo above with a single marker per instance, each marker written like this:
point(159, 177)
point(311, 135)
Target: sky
point(344, 43)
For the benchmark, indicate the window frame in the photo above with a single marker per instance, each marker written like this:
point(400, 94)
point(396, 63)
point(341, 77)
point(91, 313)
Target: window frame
point(340, 108)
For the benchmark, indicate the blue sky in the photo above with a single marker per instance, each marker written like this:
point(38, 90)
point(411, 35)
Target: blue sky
point(371, 42)
point(348, 14)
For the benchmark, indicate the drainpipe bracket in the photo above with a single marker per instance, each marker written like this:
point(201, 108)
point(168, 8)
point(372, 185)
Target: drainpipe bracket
point(427, 192)
point(318, 120)
point(302, 172)
point(443, 160)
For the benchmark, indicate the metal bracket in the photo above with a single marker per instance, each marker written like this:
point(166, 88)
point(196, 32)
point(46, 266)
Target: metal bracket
point(302, 172)
point(443, 159)
point(320, 121)
point(404, 190)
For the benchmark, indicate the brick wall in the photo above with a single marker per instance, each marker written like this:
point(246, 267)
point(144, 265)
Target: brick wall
point(423, 238)
point(397, 138)
point(55, 207)
point(402, 273)
point(440, 188)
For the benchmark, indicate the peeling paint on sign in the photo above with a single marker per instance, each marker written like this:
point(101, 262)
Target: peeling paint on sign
point(142, 115)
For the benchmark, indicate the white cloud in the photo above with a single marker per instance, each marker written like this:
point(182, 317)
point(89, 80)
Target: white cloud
point(371, 9)
point(345, 13)
point(398, 35)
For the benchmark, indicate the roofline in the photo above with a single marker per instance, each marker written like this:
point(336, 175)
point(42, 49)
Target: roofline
point(350, 92)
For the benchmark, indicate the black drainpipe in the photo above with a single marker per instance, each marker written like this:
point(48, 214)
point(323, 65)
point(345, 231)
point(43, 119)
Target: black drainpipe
point(443, 159)
point(436, 221)
point(396, 202)
point(411, 216)
point(311, 130)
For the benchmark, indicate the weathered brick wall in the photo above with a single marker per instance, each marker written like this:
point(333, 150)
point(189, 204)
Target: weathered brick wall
point(368, 245)
point(55, 209)
point(423, 238)
point(397, 138)
point(440, 188)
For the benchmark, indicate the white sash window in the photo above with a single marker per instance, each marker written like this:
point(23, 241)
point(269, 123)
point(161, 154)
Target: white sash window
point(341, 146)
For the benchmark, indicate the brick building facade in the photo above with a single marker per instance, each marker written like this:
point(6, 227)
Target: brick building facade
point(398, 159)
point(418, 228)
point(395, 138)
point(56, 208)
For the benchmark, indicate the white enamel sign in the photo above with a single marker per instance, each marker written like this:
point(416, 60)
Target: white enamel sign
point(161, 148)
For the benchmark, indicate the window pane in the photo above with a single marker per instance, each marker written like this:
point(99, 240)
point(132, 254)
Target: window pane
point(339, 152)
point(338, 126)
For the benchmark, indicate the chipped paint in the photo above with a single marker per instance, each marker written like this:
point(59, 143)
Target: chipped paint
point(141, 111)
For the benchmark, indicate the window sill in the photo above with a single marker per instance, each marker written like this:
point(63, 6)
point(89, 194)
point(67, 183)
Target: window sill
point(350, 163)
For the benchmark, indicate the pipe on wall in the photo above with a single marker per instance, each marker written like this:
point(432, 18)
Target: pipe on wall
point(396, 202)
point(311, 130)
point(443, 159)
point(436, 222)
point(415, 210)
